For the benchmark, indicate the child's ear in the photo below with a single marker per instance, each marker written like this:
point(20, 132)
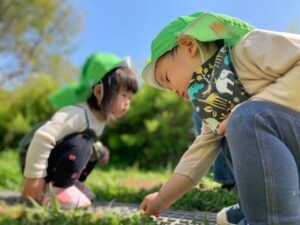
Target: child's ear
point(188, 43)
point(98, 92)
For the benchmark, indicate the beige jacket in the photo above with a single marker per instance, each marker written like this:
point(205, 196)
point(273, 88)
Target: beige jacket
point(268, 65)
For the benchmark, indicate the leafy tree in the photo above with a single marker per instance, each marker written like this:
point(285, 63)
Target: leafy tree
point(35, 36)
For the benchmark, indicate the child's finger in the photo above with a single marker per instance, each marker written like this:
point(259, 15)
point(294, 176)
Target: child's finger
point(222, 128)
point(143, 207)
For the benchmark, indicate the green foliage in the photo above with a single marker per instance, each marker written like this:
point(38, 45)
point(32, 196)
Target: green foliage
point(209, 200)
point(31, 98)
point(10, 173)
point(158, 126)
point(38, 215)
point(120, 185)
point(5, 113)
point(36, 35)
point(26, 105)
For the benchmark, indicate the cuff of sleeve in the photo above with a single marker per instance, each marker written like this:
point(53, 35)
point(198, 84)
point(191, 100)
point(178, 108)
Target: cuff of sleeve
point(194, 177)
point(183, 174)
point(195, 169)
point(34, 174)
point(97, 147)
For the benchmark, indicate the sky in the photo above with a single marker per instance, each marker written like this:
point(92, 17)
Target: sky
point(127, 27)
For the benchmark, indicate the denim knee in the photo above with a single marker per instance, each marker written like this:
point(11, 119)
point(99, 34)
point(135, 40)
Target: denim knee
point(245, 117)
point(241, 120)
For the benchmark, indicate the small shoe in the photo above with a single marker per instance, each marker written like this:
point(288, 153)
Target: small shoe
point(68, 198)
point(231, 215)
point(84, 189)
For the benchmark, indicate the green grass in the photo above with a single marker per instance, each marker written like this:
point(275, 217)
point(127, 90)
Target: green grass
point(128, 185)
point(10, 173)
point(37, 215)
point(109, 184)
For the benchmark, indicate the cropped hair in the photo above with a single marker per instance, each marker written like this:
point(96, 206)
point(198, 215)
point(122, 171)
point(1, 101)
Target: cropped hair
point(115, 81)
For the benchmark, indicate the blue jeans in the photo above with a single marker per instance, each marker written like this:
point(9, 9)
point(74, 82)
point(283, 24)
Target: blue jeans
point(264, 142)
point(221, 172)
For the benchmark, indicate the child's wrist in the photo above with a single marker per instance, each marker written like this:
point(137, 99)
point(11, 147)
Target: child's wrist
point(164, 198)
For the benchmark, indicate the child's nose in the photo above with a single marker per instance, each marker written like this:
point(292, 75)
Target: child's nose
point(127, 102)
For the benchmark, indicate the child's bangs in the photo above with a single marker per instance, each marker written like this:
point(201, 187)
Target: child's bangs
point(126, 80)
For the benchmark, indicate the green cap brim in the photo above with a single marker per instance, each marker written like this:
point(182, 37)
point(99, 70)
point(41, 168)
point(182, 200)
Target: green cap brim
point(149, 76)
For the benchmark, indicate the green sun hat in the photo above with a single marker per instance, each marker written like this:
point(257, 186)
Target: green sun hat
point(202, 26)
point(94, 69)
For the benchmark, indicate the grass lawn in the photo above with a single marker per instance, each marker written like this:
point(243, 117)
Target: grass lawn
point(121, 185)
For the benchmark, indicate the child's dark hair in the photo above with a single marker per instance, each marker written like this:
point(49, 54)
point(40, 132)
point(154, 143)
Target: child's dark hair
point(118, 79)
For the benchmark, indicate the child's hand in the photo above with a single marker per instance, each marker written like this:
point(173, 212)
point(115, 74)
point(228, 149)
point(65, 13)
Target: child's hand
point(222, 128)
point(153, 205)
point(34, 188)
point(105, 158)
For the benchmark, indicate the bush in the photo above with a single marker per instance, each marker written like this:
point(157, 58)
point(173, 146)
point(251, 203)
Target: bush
point(156, 131)
point(24, 106)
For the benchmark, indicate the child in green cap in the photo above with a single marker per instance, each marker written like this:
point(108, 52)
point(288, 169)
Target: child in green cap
point(244, 84)
point(65, 149)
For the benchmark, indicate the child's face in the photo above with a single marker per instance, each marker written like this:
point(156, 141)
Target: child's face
point(121, 104)
point(174, 70)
